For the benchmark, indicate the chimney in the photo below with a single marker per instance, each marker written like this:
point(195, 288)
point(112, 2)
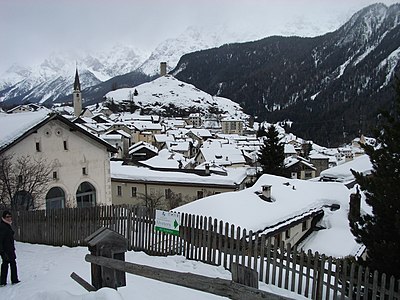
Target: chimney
point(355, 206)
point(207, 169)
point(266, 192)
point(163, 68)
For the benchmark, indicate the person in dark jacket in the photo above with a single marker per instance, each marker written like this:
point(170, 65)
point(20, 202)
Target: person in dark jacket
point(7, 249)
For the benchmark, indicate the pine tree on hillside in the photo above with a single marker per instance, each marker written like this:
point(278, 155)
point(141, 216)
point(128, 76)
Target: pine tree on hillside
point(380, 231)
point(271, 155)
point(261, 131)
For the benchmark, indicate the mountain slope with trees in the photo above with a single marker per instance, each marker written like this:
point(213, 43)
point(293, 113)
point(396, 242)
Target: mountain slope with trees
point(331, 86)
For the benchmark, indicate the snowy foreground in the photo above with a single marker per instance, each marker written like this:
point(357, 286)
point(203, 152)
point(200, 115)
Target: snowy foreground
point(45, 271)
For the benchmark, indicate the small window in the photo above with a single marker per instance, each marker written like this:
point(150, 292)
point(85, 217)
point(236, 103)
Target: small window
point(84, 171)
point(38, 147)
point(119, 190)
point(65, 145)
point(133, 191)
point(200, 194)
point(287, 234)
point(19, 179)
point(304, 226)
point(168, 193)
point(55, 175)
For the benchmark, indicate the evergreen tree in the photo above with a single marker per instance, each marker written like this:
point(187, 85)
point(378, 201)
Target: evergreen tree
point(261, 131)
point(380, 231)
point(271, 155)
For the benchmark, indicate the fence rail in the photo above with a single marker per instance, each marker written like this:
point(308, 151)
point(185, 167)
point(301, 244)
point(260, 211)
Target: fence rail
point(214, 242)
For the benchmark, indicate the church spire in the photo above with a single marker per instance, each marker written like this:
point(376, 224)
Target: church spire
point(77, 84)
point(76, 95)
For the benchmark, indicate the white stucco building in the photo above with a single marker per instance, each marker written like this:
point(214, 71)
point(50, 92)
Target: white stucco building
point(79, 161)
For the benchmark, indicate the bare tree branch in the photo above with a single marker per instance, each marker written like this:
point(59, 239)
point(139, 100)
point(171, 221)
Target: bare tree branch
point(23, 180)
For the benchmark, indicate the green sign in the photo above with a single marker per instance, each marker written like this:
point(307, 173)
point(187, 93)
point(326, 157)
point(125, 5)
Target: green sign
point(168, 222)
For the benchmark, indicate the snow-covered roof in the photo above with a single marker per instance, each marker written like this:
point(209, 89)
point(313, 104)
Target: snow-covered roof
point(162, 138)
point(290, 161)
point(289, 149)
point(140, 145)
point(14, 126)
point(141, 174)
point(166, 160)
point(226, 154)
point(179, 146)
point(342, 173)
point(146, 125)
point(200, 132)
point(291, 198)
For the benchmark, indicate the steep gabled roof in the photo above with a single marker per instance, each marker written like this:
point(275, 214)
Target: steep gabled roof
point(16, 127)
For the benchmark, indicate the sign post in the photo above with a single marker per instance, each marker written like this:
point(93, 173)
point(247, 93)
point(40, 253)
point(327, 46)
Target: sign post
point(168, 222)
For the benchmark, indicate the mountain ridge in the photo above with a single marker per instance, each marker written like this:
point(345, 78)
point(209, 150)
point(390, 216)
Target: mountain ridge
point(328, 77)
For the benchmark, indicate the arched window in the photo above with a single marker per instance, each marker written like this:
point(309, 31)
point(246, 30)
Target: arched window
point(55, 198)
point(23, 200)
point(86, 195)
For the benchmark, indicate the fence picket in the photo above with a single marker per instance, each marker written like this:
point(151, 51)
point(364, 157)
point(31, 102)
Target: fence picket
point(262, 258)
point(220, 245)
point(268, 264)
point(281, 259)
point(308, 269)
point(288, 250)
point(301, 274)
point(225, 247)
point(274, 255)
point(382, 291)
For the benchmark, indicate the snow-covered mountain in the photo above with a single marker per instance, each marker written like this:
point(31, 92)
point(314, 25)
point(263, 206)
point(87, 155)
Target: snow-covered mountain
point(196, 38)
point(167, 95)
point(344, 76)
point(53, 78)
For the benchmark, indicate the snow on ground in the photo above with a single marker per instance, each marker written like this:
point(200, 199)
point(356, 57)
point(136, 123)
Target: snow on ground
point(45, 271)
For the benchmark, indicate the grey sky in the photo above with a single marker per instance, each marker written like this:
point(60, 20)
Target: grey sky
point(31, 29)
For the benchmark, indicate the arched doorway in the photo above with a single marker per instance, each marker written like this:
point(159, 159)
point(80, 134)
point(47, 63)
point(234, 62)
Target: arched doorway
point(55, 198)
point(86, 195)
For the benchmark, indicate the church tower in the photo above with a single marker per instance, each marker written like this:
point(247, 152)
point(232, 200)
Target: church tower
point(77, 95)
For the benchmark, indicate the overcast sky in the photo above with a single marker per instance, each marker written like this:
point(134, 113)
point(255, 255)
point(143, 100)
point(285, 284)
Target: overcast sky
point(31, 29)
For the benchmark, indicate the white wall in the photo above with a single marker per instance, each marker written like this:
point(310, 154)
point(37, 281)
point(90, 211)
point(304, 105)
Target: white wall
point(81, 152)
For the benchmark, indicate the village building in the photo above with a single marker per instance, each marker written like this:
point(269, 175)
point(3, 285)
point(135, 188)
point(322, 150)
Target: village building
point(320, 162)
point(79, 161)
point(342, 173)
point(220, 153)
point(232, 125)
point(195, 120)
point(297, 167)
point(25, 108)
point(169, 189)
point(142, 151)
point(292, 211)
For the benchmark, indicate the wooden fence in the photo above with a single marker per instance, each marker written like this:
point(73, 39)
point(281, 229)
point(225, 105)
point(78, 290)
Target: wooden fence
point(214, 242)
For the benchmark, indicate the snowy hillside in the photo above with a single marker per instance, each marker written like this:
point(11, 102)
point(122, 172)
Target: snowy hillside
point(168, 94)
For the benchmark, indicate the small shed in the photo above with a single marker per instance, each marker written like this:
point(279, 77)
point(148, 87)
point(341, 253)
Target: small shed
point(107, 243)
